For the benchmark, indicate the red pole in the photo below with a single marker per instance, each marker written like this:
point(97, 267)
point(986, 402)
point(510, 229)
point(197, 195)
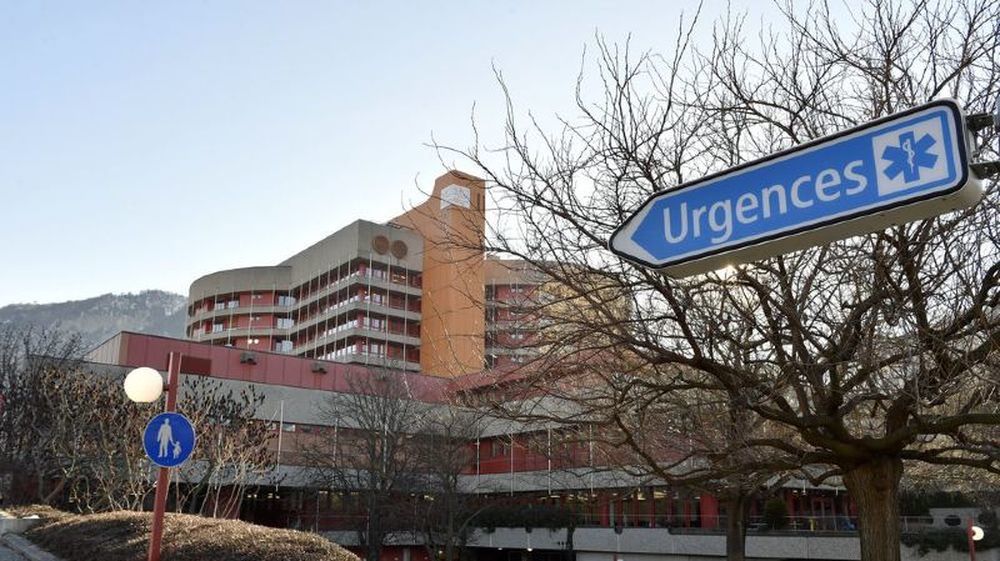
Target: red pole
point(972, 542)
point(163, 479)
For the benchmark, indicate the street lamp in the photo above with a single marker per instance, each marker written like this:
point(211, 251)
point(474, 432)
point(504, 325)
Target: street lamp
point(145, 385)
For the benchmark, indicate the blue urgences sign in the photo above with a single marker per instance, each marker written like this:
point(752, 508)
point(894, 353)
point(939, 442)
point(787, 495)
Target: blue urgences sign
point(887, 171)
point(169, 439)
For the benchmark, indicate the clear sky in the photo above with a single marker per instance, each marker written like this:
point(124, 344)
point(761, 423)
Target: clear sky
point(144, 144)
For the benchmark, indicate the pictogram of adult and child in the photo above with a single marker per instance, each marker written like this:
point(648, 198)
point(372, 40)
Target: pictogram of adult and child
point(165, 438)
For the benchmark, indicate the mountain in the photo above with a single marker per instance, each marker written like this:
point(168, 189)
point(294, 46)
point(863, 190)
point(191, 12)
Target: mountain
point(96, 319)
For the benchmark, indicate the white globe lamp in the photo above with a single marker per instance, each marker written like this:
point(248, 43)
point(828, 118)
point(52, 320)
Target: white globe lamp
point(143, 385)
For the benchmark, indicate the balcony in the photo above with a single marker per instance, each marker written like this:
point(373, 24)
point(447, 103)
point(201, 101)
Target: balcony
point(377, 360)
point(257, 331)
point(226, 312)
point(379, 336)
point(357, 306)
point(356, 279)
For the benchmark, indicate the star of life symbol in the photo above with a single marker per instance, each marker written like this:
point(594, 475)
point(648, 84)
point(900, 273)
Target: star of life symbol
point(909, 156)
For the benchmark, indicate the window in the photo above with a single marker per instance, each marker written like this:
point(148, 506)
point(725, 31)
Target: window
point(283, 346)
point(340, 353)
point(286, 300)
point(376, 298)
point(285, 323)
point(371, 348)
point(499, 447)
point(233, 304)
point(217, 327)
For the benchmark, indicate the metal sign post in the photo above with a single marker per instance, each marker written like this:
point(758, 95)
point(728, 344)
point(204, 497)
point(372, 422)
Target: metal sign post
point(168, 440)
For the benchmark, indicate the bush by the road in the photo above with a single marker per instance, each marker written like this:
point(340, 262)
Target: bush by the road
point(124, 536)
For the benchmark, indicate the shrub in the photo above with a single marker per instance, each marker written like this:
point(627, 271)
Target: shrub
point(124, 536)
point(776, 513)
point(45, 512)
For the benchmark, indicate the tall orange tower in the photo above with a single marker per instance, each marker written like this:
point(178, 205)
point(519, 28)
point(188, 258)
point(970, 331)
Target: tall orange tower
point(452, 223)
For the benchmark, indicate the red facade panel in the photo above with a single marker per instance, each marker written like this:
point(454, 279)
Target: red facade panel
point(268, 368)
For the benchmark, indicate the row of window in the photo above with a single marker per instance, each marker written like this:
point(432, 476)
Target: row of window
point(371, 297)
point(366, 347)
point(233, 303)
point(358, 270)
point(219, 327)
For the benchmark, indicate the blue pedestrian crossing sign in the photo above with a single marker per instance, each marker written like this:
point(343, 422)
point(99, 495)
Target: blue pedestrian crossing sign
point(169, 439)
point(904, 167)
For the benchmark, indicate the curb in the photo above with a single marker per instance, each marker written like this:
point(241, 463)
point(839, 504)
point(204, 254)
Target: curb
point(26, 549)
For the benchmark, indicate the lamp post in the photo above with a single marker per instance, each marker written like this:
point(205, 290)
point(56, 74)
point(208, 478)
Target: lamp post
point(975, 533)
point(145, 385)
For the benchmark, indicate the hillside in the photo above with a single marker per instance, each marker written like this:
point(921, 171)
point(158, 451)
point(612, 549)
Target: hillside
point(96, 319)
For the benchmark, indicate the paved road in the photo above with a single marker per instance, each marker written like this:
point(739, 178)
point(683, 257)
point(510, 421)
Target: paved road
point(8, 555)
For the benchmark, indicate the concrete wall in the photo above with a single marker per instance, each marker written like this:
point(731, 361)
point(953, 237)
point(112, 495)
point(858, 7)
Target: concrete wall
point(240, 280)
point(355, 240)
point(11, 525)
point(647, 544)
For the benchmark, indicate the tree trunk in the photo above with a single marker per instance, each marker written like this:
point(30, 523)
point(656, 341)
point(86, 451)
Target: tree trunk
point(737, 507)
point(874, 487)
point(570, 554)
point(55, 492)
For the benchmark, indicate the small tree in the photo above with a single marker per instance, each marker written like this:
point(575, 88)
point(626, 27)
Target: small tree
point(444, 452)
point(233, 446)
point(775, 513)
point(369, 452)
point(37, 446)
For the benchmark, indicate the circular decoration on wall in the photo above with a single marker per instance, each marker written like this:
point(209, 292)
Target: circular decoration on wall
point(380, 244)
point(399, 249)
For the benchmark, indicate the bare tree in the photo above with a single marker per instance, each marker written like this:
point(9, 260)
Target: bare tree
point(29, 392)
point(233, 447)
point(444, 452)
point(69, 429)
point(369, 453)
point(862, 355)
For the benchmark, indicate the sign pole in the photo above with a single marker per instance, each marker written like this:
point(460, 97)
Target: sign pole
point(163, 479)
